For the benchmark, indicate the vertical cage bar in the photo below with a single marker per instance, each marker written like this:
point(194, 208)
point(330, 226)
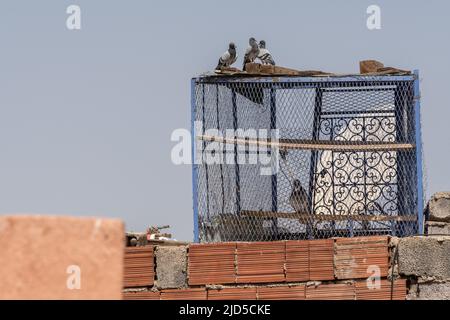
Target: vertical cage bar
point(235, 127)
point(194, 164)
point(273, 125)
point(418, 137)
point(365, 226)
point(411, 181)
point(221, 164)
point(333, 223)
point(313, 163)
point(399, 111)
point(204, 148)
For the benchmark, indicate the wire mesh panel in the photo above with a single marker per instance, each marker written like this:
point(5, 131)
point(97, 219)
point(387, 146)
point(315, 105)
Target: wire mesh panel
point(302, 158)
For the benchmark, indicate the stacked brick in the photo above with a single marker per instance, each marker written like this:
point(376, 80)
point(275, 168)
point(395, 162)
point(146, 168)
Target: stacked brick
point(260, 262)
point(282, 293)
point(288, 261)
point(387, 290)
point(358, 258)
point(184, 294)
point(142, 295)
point(233, 293)
point(139, 268)
point(353, 290)
point(330, 269)
point(321, 260)
point(333, 291)
point(212, 263)
point(297, 261)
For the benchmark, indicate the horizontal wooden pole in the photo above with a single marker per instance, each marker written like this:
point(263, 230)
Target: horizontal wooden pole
point(327, 217)
point(312, 144)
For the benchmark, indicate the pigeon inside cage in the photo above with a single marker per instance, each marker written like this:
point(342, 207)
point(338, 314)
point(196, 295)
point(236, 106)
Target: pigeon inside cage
point(342, 152)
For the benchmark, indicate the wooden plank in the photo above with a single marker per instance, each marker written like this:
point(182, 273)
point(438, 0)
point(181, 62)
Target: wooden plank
point(323, 217)
point(312, 145)
point(370, 66)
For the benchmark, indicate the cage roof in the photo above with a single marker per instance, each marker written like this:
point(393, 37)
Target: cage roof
point(255, 70)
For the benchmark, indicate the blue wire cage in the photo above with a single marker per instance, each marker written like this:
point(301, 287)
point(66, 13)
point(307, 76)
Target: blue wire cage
point(306, 157)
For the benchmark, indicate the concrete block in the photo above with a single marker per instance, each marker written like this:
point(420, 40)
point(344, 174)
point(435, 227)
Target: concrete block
point(59, 257)
point(433, 291)
point(425, 257)
point(439, 207)
point(171, 267)
point(438, 228)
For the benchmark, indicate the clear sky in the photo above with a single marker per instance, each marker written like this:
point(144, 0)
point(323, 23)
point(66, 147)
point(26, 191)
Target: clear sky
point(86, 116)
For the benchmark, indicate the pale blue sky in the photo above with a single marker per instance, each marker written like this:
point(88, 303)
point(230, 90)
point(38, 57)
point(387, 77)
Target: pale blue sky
point(86, 116)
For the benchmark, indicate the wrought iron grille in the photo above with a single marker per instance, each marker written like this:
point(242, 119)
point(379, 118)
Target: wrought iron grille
point(302, 158)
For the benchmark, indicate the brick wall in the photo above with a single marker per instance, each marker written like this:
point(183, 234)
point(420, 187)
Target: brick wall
point(335, 269)
point(309, 269)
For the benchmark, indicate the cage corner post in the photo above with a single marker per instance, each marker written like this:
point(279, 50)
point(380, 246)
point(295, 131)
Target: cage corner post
point(274, 178)
point(314, 156)
point(236, 161)
point(194, 164)
point(419, 168)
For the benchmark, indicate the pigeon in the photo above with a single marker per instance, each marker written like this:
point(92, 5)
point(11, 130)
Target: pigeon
point(376, 209)
point(299, 198)
point(251, 53)
point(264, 54)
point(228, 58)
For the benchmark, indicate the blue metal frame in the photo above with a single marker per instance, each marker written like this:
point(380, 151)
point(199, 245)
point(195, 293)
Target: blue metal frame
point(236, 162)
point(289, 79)
point(310, 82)
point(313, 161)
point(274, 182)
point(420, 204)
point(194, 165)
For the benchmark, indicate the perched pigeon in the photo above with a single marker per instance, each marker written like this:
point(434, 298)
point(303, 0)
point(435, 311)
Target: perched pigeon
point(264, 54)
point(299, 198)
point(373, 209)
point(251, 53)
point(228, 58)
